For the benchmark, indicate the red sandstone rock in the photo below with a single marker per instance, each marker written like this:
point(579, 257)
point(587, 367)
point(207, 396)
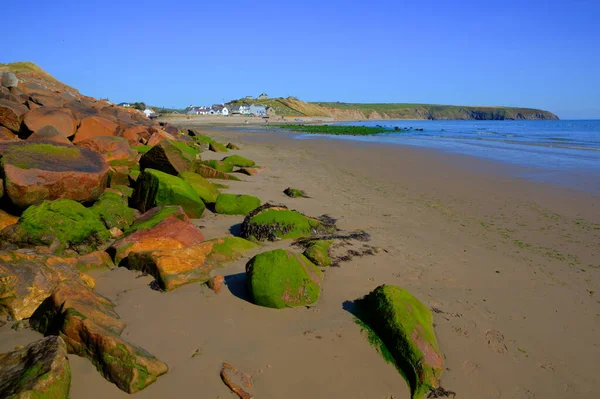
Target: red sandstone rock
point(11, 115)
point(95, 126)
point(7, 135)
point(135, 133)
point(59, 118)
point(158, 137)
point(216, 284)
point(49, 134)
point(113, 148)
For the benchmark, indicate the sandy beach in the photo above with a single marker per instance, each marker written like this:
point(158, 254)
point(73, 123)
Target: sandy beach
point(510, 268)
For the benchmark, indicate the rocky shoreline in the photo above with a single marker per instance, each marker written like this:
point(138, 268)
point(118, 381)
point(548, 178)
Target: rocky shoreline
point(88, 186)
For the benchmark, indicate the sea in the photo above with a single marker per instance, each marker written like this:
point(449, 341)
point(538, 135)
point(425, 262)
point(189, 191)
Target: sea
point(563, 152)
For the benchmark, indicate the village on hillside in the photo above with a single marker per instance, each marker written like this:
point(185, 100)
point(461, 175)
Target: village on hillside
point(230, 109)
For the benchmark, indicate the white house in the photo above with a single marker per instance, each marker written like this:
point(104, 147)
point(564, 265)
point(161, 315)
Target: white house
point(257, 110)
point(245, 109)
point(148, 112)
point(225, 111)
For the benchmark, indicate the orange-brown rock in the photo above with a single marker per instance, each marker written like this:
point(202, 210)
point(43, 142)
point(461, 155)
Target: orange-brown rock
point(167, 234)
point(94, 126)
point(6, 219)
point(31, 105)
point(49, 134)
point(158, 137)
point(216, 284)
point(135, 133)
point(41, 171)
point(240, 383)
point(11, 115)
point(88, 324)
point(29, 277)
point(98, 260)
point(47, 98)
point(5, 94)
point(173, 130)
point(174, 267)
point(7, 135)
point(113, 148)
point(21, 96)
point(59, 118)
point(81, 108)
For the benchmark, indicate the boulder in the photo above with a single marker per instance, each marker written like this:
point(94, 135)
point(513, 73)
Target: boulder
point(232, 146)
point(169, 156)
point(9, 79)
point(90, 328)
point(5, 94)
point(11, 115)
point(159, 136)
point(318, 252)
point(6, 219)
point(29, 277)
point(281, 279)
point(94, 261)
point(405, 326)
point(38, 370)
point(48, 135)
point(240, 161)
point(31, 105)
point(175, 267)
point(40, 171)
point(95, 126)
point(60, 119)
point(221, 166)
point(80, 109)
point(207, 191)
point(47, 98)
point(20, 95)
point(251, 171)
point(294, 193)
point(112, 209)
point(135, 134)
point(7, 135)
point(113, 148)
point(216, 284)
point(271, 222)
point(156, 215)
point(170, 233)
point(236, 204)
point(210, 173)
point(154, 188)
point(217, 147)
point(63, 223)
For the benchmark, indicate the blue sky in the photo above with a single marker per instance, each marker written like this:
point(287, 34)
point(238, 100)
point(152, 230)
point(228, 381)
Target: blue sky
point(542, 54)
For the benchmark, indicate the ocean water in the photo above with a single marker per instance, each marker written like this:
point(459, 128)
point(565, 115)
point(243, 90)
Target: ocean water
point(561, 152)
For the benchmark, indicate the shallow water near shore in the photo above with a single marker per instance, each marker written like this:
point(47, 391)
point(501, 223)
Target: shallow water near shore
point(558, 152)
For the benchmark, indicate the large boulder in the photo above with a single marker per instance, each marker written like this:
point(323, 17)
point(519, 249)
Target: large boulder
point(46, 98)
point(135, 134)
point(217, 147)
point(40, 171)
point(63, 223)
point(405, 326)
point(38, 370)
point(271, 222)
point(169, 156)
point(60, 119)
point(236, 204)
point(210, 173)
point(221, 166)
point(49, 135)
point(9, 79)
point(318, 252)
point(28, 277)
point(175, 267)
point(90, 327)
point(113, 148)
point(81, 108)
point(240, 161)
point(156, 215)
point(7, 135)
point(159, 136)
point(112, 209)
point(207, 191)
point(282, 279)
point(170, 233)
point(11, 115)
point(155, 188)
point(95, 126)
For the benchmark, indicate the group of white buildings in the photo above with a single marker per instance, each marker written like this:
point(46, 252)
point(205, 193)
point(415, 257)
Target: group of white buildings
point(226, 110)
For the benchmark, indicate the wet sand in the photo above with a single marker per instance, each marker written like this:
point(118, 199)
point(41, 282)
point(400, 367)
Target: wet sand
point(511, 269)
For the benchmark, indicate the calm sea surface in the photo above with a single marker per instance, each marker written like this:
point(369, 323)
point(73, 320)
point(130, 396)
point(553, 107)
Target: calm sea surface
point(561, 152)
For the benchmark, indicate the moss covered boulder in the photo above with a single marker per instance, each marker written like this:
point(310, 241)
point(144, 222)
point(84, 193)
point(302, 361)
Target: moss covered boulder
point(169, 156)
point(217, 147)
point(240, 161)
point(88, 324)
point(221, 166)
point(112, 209)
point(170, 233)
point(294, 193)
point(34, 172)
point(405, 326)
point(63, 223)
point(318, 252)
point(173, 268)
point(281, 279)
point(210, 173)
point(155, 188)
point(207, 191)
point(28, 277)
point(236, 204)
point(39, 370)
point(156, 215)
point(232, 146)
point(271, 222)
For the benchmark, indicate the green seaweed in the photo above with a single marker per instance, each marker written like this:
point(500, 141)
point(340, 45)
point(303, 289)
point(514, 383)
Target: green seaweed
point(112, 209)
point(206, 190)
point(236, 204)
point(318, 252)
point(240, 161)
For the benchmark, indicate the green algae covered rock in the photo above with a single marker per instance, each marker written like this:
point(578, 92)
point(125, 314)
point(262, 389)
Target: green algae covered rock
point(156, 215)
point(282, 279)
point(318, 252)
point(271, 222)
point(405, 326)
point(112, 209)
point(207, 191)
point(236, 204)
point(141, 149)
point(217, 147)
point(221, 166)
point(294, 193)
point(70, 223)
point(155, 188)
point(169, 156)
point(39, 370)
point(125, 190)
point(240, 161)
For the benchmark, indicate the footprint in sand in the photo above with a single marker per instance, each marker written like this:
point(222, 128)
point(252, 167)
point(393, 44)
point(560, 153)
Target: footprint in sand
point(495, 341)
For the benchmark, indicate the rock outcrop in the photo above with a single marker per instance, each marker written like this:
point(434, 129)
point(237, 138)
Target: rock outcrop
point(169, 156)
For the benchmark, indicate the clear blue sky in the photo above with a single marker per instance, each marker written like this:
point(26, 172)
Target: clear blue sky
point(543, 54)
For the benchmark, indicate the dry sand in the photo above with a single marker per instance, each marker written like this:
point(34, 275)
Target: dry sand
point(511, 267)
